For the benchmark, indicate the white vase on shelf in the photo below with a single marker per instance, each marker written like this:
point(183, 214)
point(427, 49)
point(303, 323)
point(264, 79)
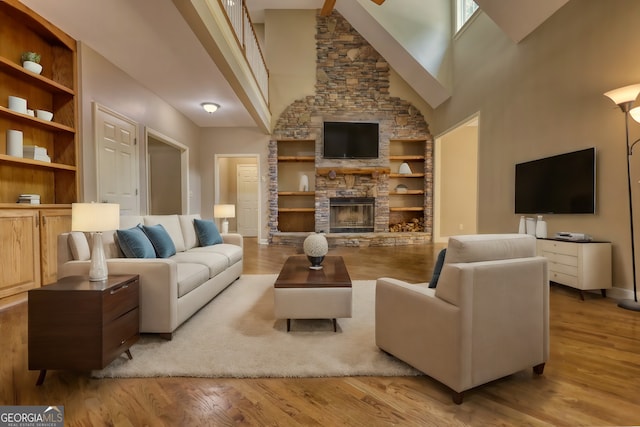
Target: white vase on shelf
point(541, 228)
point(522, 227)
point(531, 226)
point(304, 183)
point(14, 143)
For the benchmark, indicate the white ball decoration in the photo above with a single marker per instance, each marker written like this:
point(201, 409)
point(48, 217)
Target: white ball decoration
point(315, 245)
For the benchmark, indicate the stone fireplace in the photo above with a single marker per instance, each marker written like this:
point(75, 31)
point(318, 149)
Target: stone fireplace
point(351, 214)
point(352, 84)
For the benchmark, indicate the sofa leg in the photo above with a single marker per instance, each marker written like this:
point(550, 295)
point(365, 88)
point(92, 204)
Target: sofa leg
point(166, 336)
point(457, 397)
point(538, 369)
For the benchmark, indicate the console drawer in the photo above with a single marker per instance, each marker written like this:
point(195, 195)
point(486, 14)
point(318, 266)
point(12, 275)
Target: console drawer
point(556, 258)
point(563, 268)
point(563, 278)
point(560, 247)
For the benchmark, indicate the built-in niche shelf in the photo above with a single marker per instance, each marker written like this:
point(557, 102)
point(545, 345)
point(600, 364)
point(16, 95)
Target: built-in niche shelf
point(406, 203)
point(296, 211)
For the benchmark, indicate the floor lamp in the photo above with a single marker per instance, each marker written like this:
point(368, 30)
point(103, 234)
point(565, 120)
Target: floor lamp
point(624, 98)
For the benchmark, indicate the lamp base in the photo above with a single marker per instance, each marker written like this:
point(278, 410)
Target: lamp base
point(225, 226)
point(629, 304)
point(98, 269)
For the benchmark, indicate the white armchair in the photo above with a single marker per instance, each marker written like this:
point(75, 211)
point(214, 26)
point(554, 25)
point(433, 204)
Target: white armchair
point(487, 318)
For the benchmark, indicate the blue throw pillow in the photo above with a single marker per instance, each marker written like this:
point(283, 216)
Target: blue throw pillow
point(207, 232)
point(437, 269)
point(160, 240)
point(134, 243)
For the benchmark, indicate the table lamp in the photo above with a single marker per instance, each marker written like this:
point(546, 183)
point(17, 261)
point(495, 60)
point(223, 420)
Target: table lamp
point(95, 218)
point(225, 212)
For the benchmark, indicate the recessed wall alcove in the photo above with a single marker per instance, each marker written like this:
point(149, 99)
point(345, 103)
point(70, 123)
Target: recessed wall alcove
point(352, 84)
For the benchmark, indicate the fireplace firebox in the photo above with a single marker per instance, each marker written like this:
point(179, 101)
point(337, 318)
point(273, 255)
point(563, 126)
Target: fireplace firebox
point(351, 214)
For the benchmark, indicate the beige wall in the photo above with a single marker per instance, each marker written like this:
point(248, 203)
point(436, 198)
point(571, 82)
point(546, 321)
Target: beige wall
point(104, 83)
point(235, 141)
point(456, 182)
point(290, 51)
point(543, 96)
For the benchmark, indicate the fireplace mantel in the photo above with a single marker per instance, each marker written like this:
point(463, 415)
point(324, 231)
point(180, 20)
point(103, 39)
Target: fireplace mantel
point(352, 171)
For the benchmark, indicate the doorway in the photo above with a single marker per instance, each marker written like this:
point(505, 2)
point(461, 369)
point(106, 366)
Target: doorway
point(168, 177)
point(456, 181)
point(237, 183)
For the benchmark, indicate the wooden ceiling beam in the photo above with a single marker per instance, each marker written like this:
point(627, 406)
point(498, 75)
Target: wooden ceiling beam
point(327, 7)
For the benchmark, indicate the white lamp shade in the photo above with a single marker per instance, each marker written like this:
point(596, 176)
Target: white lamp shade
point(95, 217)
point(635, 114)
point(224, 211)
point(624, 94)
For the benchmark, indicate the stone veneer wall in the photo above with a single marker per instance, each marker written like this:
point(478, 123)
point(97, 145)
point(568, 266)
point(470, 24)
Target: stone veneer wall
point(352, 85)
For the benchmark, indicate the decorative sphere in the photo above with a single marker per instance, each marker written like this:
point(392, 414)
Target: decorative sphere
point(315, 245)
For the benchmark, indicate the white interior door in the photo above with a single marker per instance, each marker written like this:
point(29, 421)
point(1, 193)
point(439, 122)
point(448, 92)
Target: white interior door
point(247, 199)
point(117, 160)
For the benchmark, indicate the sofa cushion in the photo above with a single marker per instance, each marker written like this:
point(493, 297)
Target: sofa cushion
point(190, 276)
point(135, 244)
point(129, 221)
point(160, 240)
point(487, 247)
point(79, 246)
point(188, 230)
point(171, 224)
point(216, 263)
point(207, 232)
point(437, 269)
point(232, 252)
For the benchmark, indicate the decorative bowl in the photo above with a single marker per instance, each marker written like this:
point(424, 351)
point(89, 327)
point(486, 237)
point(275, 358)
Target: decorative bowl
point(44, 115)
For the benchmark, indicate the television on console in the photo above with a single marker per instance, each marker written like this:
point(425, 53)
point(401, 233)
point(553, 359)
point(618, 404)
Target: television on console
point(561, 184)
point(350, 140)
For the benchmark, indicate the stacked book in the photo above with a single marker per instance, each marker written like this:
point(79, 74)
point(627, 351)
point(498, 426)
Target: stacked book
point(31, 199)
point(36, 153)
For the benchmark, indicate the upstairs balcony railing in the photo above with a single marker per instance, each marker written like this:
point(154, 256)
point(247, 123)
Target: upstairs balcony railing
point(240, 21)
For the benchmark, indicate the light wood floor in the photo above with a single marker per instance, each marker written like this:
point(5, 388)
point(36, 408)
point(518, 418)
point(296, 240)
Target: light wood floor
point(592, 377)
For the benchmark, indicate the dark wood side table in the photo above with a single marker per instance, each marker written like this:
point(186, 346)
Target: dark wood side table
point(82, 325)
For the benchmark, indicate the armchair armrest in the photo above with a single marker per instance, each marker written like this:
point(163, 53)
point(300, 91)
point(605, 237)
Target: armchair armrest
point(418, 327)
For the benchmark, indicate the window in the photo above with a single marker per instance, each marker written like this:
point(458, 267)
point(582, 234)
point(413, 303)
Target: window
point(464, 10)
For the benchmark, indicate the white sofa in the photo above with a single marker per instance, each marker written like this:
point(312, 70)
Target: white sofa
point(171, 289)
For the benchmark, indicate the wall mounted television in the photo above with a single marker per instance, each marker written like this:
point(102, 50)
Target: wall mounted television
point(561, 184)
point(350, 140)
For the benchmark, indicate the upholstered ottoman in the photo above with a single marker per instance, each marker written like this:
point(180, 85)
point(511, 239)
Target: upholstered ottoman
point(301, 293)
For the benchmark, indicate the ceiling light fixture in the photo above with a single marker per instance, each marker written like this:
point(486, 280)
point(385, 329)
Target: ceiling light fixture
point(210, 107)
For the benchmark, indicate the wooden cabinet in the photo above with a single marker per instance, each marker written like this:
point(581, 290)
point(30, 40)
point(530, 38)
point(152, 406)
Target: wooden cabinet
point(296, 206)
point(29, 246)
point(20, 249)
point(54, 90)
point(82, 325)
point(53, 222)
point(407, 185)
point(580, 265)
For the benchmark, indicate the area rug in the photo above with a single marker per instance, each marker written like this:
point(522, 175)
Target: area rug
point(236, 335)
